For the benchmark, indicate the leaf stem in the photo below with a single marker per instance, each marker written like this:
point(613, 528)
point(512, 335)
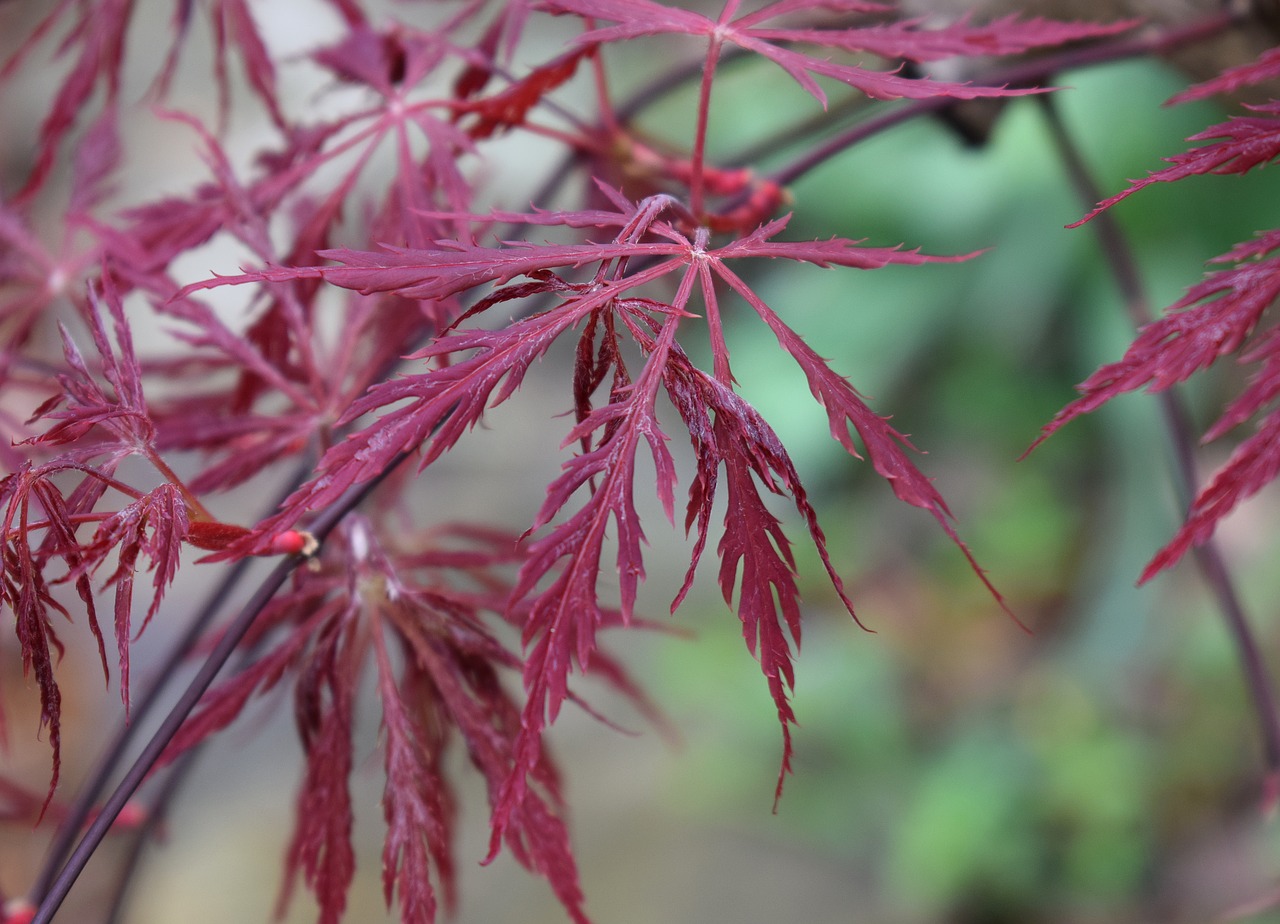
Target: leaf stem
point(608, 118)
point(698, 155)
point(171, 476)
point(1213, 566)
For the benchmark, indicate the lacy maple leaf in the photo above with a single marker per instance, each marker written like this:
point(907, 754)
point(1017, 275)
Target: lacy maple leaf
point(1226, 314)
point(429, 411)
point(899, 39)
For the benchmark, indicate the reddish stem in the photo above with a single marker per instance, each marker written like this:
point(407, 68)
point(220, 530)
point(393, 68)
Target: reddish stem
point(193, 503)
point(697, 158)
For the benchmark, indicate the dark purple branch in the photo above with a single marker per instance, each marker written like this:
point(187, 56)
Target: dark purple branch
point(156, 814)
point(1213, 567)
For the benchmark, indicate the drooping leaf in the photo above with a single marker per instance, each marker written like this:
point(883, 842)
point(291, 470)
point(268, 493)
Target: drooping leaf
point(756, 559)
point(508, 108)
point(26, 595)
point(418, 811)
point(320, 850)
point(901, 40)
point(1253, 465)
point(1248, 142)
point(155, 525)
point(885, 447)
point(98, 37)
point(1266, 67)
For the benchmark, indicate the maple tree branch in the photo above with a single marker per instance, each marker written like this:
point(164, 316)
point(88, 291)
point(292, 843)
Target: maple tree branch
point(65, 837)
point(1026, 73)
point(68, 874)
point(1213, 566)
point(222, 651)
point(799, 133)
point(156, 813)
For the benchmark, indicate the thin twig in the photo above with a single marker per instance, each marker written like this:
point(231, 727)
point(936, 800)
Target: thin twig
point(156, 814)
point(68, 874)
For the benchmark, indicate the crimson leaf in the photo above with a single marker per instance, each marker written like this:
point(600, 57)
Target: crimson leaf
point(1214, 319)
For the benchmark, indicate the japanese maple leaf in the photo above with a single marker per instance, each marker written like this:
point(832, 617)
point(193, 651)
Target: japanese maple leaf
point(1216, 318)
point(156, 526)
point(26, 595)
point(1266, 67)
point(41, 518)
point(94, 40)
point(903, 40)
point(430, 411)
point(33, 277)
point(448, 400)
point(563, 618)
point(99, 37)
point(438, 668)
point(1247, 142)
point(84, 404)
point(755, 554)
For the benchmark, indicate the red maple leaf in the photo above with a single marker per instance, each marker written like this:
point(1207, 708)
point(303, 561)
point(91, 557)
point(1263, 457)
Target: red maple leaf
point(429, 411)
point(1216, 318)
point(899, 40)
point(1248, 142)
